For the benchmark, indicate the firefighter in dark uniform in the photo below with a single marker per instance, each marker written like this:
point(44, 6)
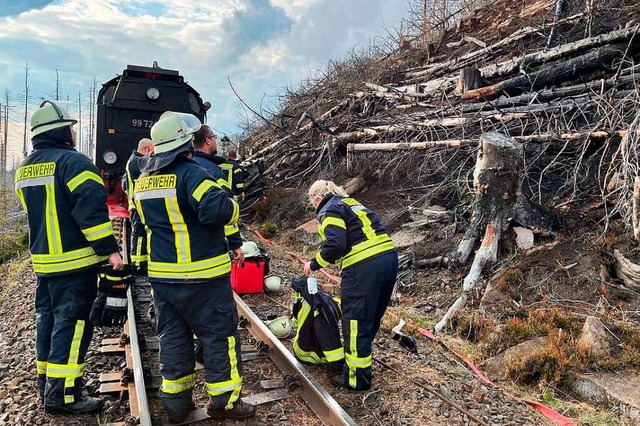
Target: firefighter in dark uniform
point(185, 212)
point(205, 149)
point(70, 234)
point(233, 173)
point(353, 234)
point(138, 233)
point(239, 172)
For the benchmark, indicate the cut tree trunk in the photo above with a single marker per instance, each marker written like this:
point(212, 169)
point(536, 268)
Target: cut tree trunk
point(497, 179)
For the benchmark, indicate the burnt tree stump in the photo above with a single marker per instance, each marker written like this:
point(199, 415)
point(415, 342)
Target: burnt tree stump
point(469, 79)
point(499, 201)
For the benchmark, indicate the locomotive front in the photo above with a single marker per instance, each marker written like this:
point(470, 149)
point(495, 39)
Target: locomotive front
point(128, 106)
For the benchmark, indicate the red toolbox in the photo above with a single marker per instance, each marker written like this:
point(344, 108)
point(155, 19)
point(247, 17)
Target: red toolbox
point(248, 278)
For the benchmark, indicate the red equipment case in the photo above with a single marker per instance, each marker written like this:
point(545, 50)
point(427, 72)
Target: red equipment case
point(248, 278)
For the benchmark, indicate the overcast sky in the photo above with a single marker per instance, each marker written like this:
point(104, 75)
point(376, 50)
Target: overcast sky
point(262, 45)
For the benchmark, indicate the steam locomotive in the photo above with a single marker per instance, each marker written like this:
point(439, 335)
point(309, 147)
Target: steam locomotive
point(127, 107)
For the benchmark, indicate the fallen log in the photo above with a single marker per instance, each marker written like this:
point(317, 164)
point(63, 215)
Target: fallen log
point(597, 59)
point(497, 180)
point(628, 271)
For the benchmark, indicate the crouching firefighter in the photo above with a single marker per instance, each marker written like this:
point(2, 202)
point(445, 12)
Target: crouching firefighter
point(70, 234)
point(185, 213)
point(353, 234)
point(317, 316)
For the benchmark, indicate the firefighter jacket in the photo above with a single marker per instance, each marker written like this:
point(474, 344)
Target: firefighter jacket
point(234, 174)
point(185, 212)
point(138, 234)
point(65, 200)
point(349, 231)
point(132, 172)
point(206, 161)
point(317, 316)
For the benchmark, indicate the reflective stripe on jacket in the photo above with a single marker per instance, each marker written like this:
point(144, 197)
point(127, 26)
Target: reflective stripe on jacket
point(350, 232)
point(207, 162)
point(65, 200)
point(185, 212)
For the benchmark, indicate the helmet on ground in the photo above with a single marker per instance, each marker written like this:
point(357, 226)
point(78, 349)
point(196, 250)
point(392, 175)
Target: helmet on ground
point(50, 116)
point(173, 130)
point(280, 327)
point(273, 283)
point(250, 249)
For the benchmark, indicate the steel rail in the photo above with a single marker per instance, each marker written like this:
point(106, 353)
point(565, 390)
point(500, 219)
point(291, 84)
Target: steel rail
point(143, 415)
point(318, 399)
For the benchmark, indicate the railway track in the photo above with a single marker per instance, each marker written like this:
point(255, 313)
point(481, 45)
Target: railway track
point(141, 372)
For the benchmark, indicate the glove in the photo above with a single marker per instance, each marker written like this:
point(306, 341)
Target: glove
point(110, 307)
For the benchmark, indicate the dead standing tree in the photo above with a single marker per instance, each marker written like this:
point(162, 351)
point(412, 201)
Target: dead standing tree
point(497, 180)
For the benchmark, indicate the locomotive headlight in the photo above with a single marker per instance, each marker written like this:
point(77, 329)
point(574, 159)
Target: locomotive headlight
point(109, 157)
point(153, 93)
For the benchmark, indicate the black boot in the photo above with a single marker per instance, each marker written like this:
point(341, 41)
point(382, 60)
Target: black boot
point(339, 382)
point(41, 383)
point(178, 406)
point(87, 405)
point(240, 411)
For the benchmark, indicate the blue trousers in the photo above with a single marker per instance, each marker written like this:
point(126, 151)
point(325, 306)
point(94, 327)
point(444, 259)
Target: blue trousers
point(208, 311)
point(365, 293)
point(63, 334)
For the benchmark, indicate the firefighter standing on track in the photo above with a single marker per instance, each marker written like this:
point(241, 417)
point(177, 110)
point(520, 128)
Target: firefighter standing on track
point(205, 149)
point(354, 234)
point(185, 212)
point(138, 233)
point(70, 234)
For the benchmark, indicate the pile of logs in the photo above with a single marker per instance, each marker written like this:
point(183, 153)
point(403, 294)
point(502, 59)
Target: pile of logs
point(562, 117)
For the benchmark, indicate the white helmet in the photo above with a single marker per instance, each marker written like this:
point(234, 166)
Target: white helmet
point(250, 249)
point(273, 283)
point(173, 130)
point(280, 327)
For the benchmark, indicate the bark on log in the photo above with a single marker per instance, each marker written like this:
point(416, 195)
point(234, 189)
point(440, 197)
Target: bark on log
point(627, 270)
point(636, 208)
point(597, 59)
point(469, 79)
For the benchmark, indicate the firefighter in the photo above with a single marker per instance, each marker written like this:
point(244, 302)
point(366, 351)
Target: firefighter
point(185, 212)
point(241, 176)
point(205, 148)
point(353, 234)
point(233, 174)
point(138, 233)
point(70, 234)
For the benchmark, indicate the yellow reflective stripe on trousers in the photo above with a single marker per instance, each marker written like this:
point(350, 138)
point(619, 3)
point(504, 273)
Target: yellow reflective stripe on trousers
point(41, 367)
point(75, 259)
point(208, 268)
point(179, 385)
point(353, 351)
point(51, 218)
point(323, 263)
point(234, 384)
point(367, 249)
point(83, 177)
point(97, 232)
point(180, 231)
point(357, 362)
point(62, 371)
point(74, 355)
point(204, 186)
point(334, 355)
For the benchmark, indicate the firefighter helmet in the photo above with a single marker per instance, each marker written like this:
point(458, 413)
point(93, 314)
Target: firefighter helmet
point(173, 130)
point(50, 116)
point(250, 249)
point(273, 283)
point(280, 327)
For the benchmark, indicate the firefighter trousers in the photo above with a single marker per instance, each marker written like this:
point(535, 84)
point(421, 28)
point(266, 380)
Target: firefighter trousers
point(138, 241)
point(63, 334)
point(365, 293)
point(208, 311)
